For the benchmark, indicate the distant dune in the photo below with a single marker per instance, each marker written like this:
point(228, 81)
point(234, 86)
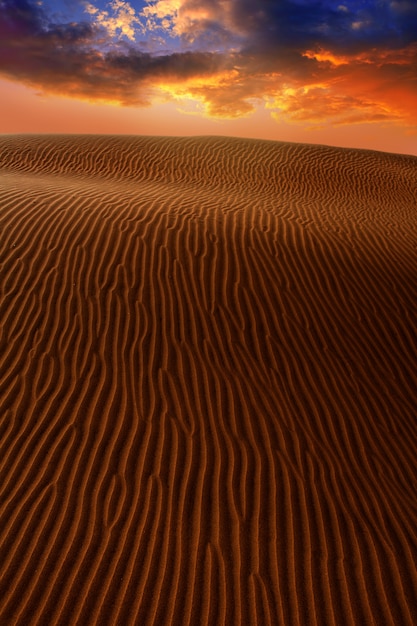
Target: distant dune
point(208, 383)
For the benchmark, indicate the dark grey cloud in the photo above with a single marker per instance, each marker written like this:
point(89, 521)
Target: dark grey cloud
point(343, 26)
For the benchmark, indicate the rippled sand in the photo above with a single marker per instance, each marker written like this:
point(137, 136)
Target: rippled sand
point(208, 383)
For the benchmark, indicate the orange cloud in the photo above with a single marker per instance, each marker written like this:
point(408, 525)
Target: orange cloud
point(328, 89)
point(319, 105)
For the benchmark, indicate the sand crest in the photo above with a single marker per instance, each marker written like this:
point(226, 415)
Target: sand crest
point(208, 383)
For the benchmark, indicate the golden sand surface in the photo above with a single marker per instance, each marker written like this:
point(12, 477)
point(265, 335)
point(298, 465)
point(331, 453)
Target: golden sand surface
point(208, 383)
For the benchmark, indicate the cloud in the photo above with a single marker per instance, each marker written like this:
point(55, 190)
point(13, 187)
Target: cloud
point(318, 105)
point(123, 21)
point(20, 17)
point(199, 24)
point(313, 61)
point(73, 59)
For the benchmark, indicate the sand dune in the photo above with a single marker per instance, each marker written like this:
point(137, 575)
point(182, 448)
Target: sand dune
point(208, 383)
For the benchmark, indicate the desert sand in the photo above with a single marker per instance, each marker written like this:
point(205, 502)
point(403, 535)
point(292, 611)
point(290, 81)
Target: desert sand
point(208, 383)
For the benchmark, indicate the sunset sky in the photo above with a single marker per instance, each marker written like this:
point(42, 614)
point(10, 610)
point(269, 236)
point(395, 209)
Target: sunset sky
point(341, 73)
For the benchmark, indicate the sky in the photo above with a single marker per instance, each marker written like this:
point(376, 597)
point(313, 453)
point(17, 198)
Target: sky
point(320, 71)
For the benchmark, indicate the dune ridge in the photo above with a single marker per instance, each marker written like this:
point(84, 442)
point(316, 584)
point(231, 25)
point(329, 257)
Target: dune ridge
point(207, 382)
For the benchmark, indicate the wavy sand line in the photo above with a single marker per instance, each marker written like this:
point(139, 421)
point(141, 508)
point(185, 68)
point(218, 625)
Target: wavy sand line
point(207, 382)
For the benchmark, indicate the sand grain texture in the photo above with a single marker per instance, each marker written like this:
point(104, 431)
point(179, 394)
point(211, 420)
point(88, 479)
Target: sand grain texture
point(208, 383)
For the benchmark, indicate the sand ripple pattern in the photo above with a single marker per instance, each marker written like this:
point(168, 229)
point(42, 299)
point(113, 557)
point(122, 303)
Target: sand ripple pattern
point(208, 383)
